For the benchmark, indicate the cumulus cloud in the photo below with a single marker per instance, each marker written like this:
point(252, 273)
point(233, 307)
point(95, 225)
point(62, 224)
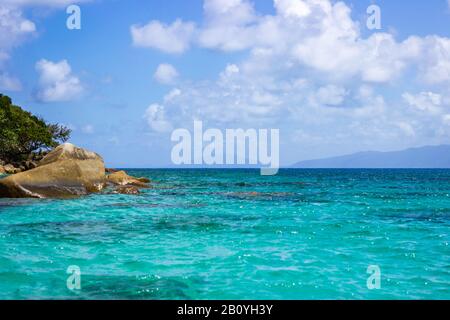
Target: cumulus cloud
point(165, 73)
point(317, 34)
point(229, 25)
point(56, 81)
point(308, 68)
point(229, 71)
point(290, 8)
point(172, 95)
point(407, 128)
point(14, 29)
point(424, 101)
point(156, 118)
point(173, 38)
point(446, 119)
point(330, 95)
point(435, 62)
point(9, 83)
point(88, 129)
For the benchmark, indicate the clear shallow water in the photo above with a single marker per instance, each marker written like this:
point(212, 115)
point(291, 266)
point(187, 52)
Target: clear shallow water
point(232, 234)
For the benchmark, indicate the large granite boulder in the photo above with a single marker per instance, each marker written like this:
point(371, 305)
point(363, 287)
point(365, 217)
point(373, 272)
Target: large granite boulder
point(68, 151)
point(67, 171)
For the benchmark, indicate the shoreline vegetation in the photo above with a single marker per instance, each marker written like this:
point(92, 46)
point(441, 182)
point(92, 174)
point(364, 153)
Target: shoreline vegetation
point(25, 139)
point(37, 165)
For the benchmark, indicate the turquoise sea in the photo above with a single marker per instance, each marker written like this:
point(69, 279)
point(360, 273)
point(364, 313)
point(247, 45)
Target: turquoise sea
point(233, 234)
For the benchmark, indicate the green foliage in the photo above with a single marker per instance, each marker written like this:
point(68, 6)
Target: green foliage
point(22, 133)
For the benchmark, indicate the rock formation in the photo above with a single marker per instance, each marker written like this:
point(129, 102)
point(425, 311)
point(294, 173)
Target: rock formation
point(67, 171)
point(121, 178)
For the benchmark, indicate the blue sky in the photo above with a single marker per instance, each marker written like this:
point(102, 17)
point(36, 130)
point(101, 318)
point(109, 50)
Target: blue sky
point(139, 69)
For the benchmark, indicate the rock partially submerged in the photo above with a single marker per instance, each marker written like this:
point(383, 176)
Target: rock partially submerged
point(67, 171)
point(127, 190)
point(121, 178)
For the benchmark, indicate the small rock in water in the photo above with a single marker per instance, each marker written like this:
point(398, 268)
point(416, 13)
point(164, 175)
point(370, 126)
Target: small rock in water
point(144, 180)
point(121, 178)
point(127, 190)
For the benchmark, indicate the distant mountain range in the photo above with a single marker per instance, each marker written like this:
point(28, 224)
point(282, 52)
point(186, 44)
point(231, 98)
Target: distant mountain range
point(423, 157)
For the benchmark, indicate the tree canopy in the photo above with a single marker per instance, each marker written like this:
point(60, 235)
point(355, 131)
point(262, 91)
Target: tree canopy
point(22, 133)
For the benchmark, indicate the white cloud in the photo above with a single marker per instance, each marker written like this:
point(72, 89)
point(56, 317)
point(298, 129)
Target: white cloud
point(230, 70)
point(316, 34)
point(165, 73)
point(406, 128)
point(330, 95)
point(156, 118)
point(446, 119)
point(88, 129)
point(229, 25)
point(307, 56)
point(9, 83)
point(14, 29)
point(172, 95)
point(424, 101)
point(435, 59)
point(292, 8)
point(174, 38)
point(56, 81)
